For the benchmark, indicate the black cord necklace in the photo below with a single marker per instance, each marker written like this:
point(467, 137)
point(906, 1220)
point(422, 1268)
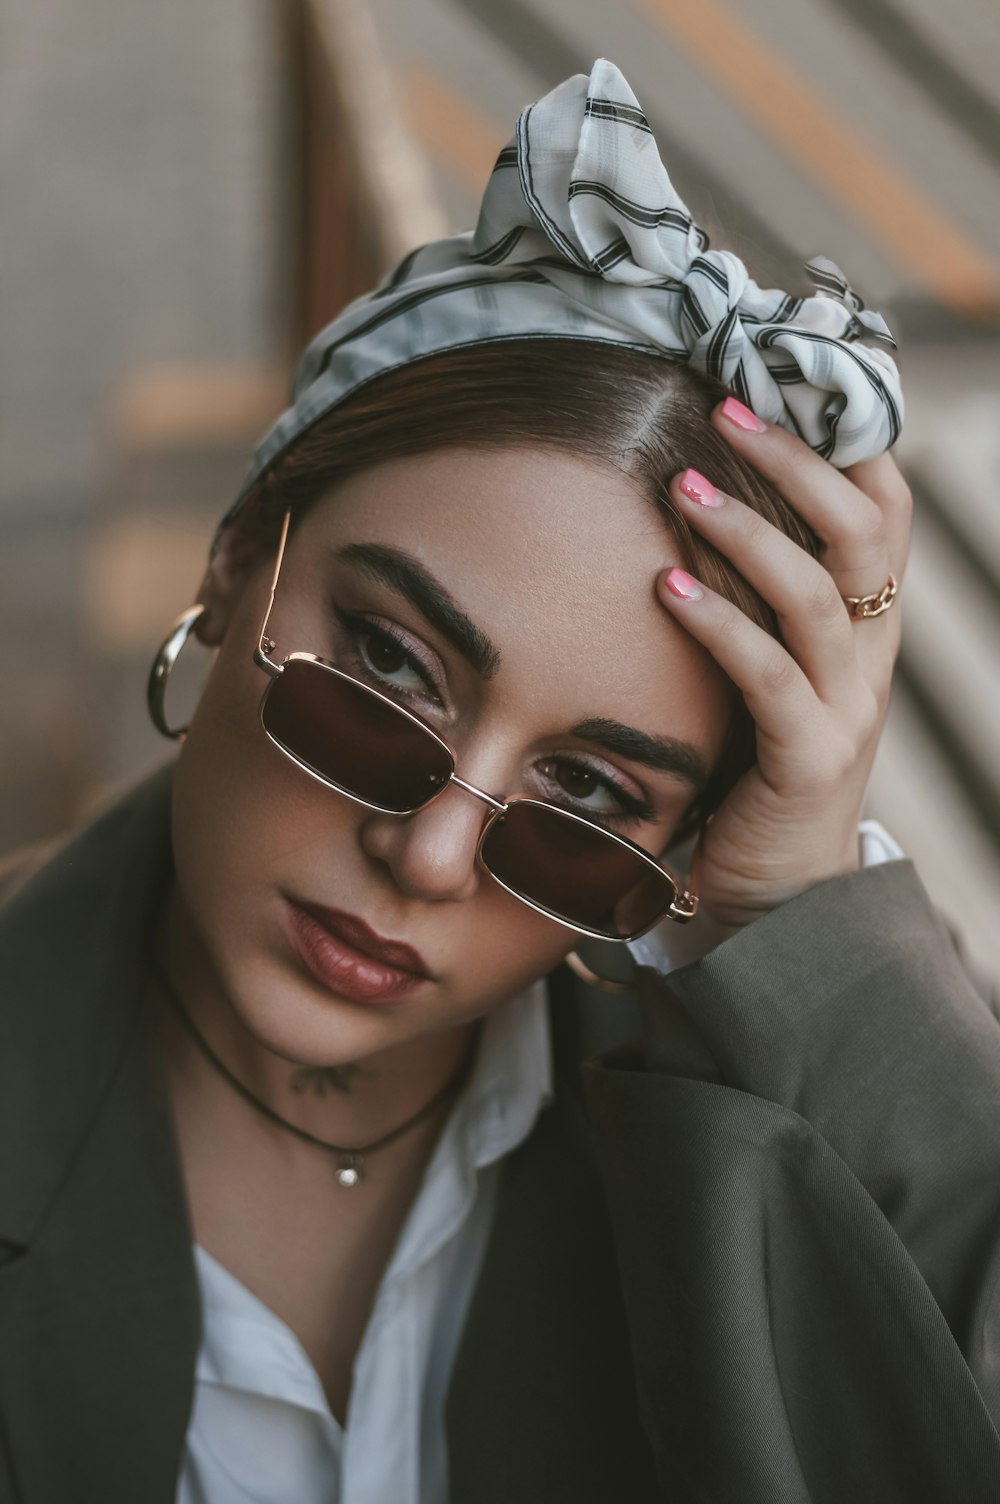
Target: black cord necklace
point(351, 1166)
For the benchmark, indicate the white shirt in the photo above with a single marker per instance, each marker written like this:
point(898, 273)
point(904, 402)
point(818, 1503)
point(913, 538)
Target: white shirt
point(261, 1431)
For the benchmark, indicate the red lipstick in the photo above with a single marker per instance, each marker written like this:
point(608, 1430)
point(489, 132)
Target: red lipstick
point(349, 958)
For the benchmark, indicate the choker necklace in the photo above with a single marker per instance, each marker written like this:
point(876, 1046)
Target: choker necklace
point(350, 1162)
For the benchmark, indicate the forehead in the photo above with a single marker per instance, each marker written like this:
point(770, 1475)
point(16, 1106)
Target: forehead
point(554, 557)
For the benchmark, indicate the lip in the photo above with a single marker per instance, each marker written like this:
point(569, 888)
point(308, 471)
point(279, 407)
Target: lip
point(349, 958)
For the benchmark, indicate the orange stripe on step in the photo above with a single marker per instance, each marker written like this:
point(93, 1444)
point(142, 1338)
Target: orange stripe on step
point(836, 154)
point(453, 132)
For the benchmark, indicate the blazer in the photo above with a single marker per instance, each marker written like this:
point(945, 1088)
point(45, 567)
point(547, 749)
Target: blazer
point(752, 1259)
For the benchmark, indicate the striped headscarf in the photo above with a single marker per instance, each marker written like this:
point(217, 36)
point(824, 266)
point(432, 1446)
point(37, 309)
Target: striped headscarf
point(581, 235)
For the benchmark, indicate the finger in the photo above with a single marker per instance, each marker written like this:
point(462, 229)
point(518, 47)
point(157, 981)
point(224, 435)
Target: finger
point(816, 628)
point(777, 692)
point(882, 482)
point(848, 523)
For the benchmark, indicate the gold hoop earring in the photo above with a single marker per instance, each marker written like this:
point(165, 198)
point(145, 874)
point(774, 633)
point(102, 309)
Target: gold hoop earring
point(156, 685)
point(587, 974)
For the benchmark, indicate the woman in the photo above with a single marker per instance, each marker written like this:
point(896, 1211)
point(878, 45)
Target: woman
point(308, 1201)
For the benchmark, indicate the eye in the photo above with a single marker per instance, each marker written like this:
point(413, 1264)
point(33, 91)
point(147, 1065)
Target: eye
point(590, 791)
point(581, 782)
point(389, 661)
point(384, 656)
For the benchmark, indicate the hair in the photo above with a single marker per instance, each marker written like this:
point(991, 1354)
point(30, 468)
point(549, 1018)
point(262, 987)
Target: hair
point(643, 414)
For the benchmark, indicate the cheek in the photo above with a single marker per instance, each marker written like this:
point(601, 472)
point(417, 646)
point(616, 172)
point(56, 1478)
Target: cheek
point(501, 946)
point(222, 761)
point(242, 812)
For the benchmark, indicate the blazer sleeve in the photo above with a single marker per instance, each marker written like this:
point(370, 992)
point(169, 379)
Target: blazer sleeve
point(803, 1172)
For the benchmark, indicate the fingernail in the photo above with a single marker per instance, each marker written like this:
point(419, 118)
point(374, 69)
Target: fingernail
point(696, 488)
point(741, 416)
point(680, 583)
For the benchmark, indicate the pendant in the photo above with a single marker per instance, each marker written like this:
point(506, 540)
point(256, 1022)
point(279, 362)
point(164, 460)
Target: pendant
point(350, 1171)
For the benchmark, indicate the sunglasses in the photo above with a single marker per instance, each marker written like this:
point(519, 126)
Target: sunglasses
point(359, 742)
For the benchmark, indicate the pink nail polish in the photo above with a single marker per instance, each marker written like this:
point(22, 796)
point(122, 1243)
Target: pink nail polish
point(680, 583)
point(741, 416)
point(696, 488)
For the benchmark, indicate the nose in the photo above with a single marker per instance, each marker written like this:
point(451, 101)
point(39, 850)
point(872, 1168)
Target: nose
point(432, 853)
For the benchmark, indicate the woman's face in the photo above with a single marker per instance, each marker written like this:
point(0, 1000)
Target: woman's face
point(551, 637)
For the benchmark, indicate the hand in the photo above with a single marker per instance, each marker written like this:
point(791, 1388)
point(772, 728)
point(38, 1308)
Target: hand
point(818, 701)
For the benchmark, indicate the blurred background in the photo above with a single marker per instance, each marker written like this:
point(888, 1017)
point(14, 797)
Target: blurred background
point(190, 190)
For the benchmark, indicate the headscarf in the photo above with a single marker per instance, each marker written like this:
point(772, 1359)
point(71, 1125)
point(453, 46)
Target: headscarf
point(581, 235)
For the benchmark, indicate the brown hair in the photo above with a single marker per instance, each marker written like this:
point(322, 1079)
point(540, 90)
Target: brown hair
point(643, 414)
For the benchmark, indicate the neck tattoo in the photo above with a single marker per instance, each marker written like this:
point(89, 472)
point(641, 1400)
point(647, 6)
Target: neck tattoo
point(320, 1079)
point(350, 1169)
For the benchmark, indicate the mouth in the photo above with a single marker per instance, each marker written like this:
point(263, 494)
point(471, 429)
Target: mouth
point(350, 958)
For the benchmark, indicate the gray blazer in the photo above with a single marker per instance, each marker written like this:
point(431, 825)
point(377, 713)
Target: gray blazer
point(752, 1260)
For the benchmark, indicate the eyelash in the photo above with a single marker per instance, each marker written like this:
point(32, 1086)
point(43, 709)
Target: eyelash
point(633, 809)
point(357, 627)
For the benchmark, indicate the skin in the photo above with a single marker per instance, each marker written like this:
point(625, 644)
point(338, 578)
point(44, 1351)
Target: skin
point(819, 702)
point(566, 568)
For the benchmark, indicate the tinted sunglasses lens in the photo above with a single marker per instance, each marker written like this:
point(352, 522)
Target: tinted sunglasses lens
point(574, 871)
point(353, 738)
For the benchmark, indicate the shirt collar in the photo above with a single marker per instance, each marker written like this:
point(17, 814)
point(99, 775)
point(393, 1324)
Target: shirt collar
point(510, 1084)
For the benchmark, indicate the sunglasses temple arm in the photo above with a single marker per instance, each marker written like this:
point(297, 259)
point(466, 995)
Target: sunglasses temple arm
point(684, 905)
point(264, 643)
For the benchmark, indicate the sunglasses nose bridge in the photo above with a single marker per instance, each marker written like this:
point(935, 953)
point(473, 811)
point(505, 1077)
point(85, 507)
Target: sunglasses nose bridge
point(496, 805)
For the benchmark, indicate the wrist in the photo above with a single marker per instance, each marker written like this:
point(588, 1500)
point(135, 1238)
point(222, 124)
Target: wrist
point(671, 946)
point(733, 911)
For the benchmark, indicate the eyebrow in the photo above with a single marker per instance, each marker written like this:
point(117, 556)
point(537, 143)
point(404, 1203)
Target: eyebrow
point(664, 754)
point(404, 575)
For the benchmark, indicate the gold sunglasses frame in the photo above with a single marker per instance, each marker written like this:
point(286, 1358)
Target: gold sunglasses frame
point(684, 904)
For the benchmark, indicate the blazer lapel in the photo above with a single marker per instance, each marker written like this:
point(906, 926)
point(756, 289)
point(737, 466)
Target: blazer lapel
point(542, 1403)
point(98, 1296)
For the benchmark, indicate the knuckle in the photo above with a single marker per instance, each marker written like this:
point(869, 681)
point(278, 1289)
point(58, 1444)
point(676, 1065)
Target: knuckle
point(755, 529)
point(889, 485)
point(880, 479)
point(778, 672)
point(823, 600)
point(729, 627)
point(869, 527)
point(857, 539)
point(899, 501)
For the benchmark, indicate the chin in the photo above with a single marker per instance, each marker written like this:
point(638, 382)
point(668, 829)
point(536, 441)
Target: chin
point(296, 1023)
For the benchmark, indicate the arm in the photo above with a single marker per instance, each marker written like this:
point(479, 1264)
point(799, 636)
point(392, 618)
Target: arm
point(804, 1177)
point(803, 1163)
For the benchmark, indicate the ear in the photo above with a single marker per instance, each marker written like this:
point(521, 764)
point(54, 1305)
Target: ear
point(237, 555)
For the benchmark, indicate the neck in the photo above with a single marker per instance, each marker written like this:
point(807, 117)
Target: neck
point(345, 1102)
